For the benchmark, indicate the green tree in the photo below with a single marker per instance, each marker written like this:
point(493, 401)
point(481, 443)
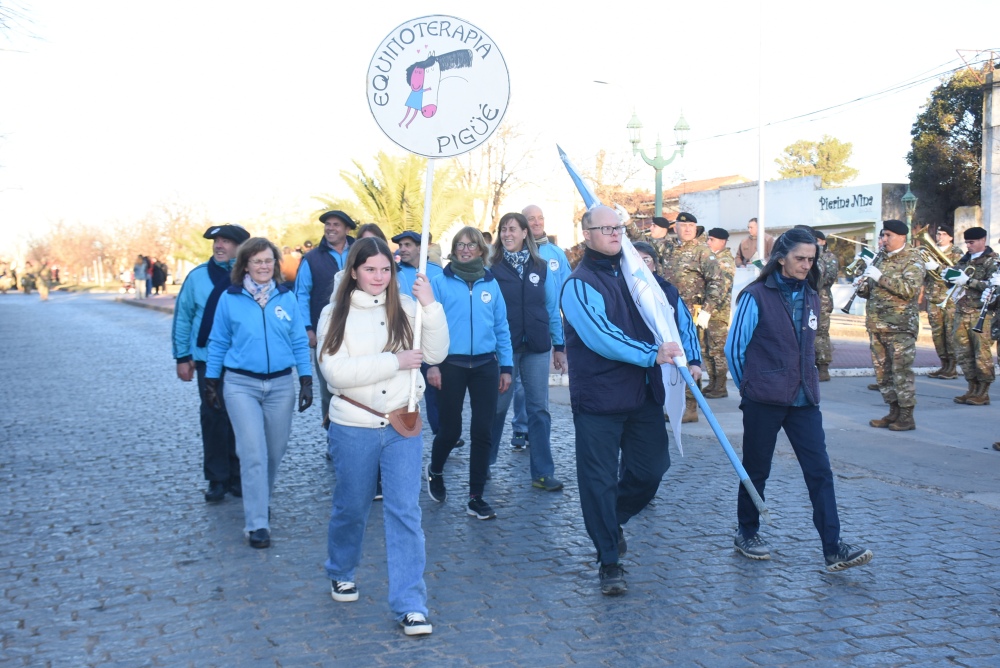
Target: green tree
point(826, 158)
point(946, 150)
point(393, 195)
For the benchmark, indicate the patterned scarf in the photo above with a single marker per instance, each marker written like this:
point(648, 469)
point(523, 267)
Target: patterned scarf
point(516, 260)
point(260, 293)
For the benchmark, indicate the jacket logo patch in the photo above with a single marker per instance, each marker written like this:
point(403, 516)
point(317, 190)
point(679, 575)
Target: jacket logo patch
point(813, 322)
point(486, 297)
point(281, 314)
point(553, 265)
point(534, 278)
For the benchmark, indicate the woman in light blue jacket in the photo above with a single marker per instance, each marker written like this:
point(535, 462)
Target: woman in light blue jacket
point(258, 335)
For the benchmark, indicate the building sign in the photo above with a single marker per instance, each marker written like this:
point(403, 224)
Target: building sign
point(847, 205)
point(438, 86)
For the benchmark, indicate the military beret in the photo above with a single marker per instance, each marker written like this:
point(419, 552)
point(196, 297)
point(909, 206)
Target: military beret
point(338, 214)
point(408, 234)
point(660, 221)
point(895, 226)
point(718, 233)
point(974, 233)
point(819, 235)
point(232, 232)
point(685, 217)
point(947, 229)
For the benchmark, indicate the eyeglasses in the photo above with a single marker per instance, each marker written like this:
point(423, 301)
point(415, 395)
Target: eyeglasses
point(608, 230)
point(461, 245)
point(261, 263)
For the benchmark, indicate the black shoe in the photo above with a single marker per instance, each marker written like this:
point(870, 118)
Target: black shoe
point(459, 443)
point(753, 547)
point(435, 486)
point(622, 545)
point(519, 442)
point(344, 592)
point(216, 492)
point(236, 488)
point(480, 509)
point(416, 624)
point(260, 538)
point(613, 580)
point(847, 556)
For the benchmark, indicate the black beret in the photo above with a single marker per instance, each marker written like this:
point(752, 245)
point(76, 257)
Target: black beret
point(895, 226)
point(660, 221)
point(718, 233)
point(947, 229)
point(232, 232)
point(338, 214)
point(974, 233)
point(408, 234)
point(685, 217)
point(819, 235)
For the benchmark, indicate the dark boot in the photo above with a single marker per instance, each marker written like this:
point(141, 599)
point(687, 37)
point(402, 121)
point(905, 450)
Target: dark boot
point(905, 421)
point(873, 386)
point(824, 372)
point(889, 419)
point(972, 390)
point(939, 373)
point(950, 372)
point(717, 389)
point(690, 410)
point(981, 396)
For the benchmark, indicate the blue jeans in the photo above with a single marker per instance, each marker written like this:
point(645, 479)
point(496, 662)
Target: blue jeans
point(519, 421)
point(357, 454)
point(804, 427)
point(261, 414)
point(533, 371)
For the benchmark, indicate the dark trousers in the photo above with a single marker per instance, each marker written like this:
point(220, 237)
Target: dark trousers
point(220, 461)
point(431, 401)
point(804, 427)
point(482, 383)
point(607, 501)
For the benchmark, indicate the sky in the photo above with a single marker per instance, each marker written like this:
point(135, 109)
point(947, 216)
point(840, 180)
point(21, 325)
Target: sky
point(110, 108)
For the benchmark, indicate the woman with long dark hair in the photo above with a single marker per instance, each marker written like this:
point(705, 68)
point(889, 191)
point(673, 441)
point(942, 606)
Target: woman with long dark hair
point(772, 356)
point(535, 322)
point(366, 354)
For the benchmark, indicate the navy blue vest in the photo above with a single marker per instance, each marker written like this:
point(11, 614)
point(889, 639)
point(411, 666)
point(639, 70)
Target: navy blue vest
point(324, 268)
point(527, 314)
point(598, 385)
point(773, 373)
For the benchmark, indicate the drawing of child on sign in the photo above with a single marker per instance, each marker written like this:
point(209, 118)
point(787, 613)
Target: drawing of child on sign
point(425, 77)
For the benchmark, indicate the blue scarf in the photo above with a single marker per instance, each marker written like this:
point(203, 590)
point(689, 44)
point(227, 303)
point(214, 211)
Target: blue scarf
point(219, 275)
point(516, 260)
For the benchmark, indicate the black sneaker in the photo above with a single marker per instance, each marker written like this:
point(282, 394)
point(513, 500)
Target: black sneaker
point(613, 580)
point(622, 545)
point(236, 488)
point(847, 556)
point(260, 538)
point(216, 492)
point(480, 509)
point(435, 486)
point(459, 443)
point(415, 624)
point(519, 441)
point(753, 547)
point(345, 592)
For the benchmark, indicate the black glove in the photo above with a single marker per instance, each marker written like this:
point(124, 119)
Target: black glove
point(305, 392)
point(212, 396)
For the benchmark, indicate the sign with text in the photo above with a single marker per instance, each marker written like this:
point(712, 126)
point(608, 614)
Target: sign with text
point(438, 86)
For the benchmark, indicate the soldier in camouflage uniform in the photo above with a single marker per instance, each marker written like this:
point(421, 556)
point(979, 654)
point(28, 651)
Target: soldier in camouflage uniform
point(893, 321)
point(942, 318)
point(695, 273)
point(718, 324)
point(828, 270)
point(974, 350)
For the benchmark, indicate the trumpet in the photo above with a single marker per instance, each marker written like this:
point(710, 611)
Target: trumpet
point(956, 292)
point(929, 252)
point(878, 258)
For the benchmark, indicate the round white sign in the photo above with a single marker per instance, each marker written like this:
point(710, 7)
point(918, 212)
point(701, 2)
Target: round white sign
point(438, 86)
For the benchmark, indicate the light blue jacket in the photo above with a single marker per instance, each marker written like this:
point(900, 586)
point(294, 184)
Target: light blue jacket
point(558, 264)
point(477, 318)
point(188, 311)
point(406, 274)
point(260, 341)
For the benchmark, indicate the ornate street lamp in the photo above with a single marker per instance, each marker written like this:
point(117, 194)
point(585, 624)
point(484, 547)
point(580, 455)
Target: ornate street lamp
point(658, 162)
point(909, 206)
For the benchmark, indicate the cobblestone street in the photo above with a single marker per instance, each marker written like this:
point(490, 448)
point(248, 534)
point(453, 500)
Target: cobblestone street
point(111, 557)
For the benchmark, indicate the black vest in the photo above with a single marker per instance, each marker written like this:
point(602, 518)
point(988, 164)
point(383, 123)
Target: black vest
point(527, 314)
point(598, 385)
point(324, 268)
point(777, 360)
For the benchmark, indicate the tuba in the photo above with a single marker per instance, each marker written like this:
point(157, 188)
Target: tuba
point(929, 251)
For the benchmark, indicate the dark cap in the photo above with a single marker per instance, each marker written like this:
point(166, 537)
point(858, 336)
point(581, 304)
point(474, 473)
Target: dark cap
point(231, 232)
point(408, 234)
point(338, 214)
point(685, 217)
point(718, 233)
point(660, 221)
point(947, 229)
point(819, 235)
point(896, 226)
point(974, 233)
point(647, 248)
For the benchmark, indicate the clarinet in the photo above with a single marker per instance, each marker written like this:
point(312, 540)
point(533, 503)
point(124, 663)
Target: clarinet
point(987, 298)
point(878, 257)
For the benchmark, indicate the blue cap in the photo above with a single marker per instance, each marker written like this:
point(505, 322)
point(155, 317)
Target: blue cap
point(408, 234)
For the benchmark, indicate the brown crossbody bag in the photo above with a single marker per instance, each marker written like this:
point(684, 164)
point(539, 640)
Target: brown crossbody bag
point(406, 423)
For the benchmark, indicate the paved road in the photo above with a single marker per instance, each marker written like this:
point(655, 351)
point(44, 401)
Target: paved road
point(111, 558)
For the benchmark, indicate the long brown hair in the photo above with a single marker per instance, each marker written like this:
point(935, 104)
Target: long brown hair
point(400, 332)
point(529, 240)
point(247, 250)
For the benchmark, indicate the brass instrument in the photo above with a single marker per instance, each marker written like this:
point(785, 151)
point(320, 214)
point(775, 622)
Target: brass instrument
point(879, 256)
point(956, 292)
point(929, 251)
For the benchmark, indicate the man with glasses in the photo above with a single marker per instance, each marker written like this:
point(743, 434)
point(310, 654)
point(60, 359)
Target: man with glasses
point(616, 393)
point(892, 317)
point(314, 283)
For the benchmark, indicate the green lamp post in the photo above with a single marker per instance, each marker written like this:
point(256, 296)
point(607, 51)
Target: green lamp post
point(658, 162)
point(909, 206)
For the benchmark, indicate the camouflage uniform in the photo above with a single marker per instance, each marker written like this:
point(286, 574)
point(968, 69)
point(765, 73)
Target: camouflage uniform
point(942, 319)
point(718, 325)
point(893, 322)
point(973, 350)
point(828, 269)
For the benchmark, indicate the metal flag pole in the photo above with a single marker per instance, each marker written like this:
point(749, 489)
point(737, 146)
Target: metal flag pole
point(422, 268)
